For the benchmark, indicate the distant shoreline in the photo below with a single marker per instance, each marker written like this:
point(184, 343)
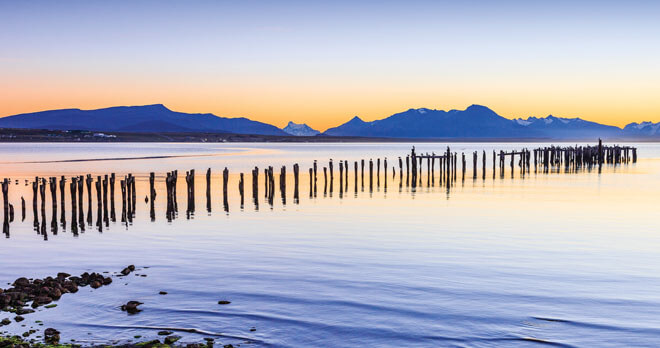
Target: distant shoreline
point(15, 135)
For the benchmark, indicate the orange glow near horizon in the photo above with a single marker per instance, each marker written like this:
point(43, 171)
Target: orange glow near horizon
point(322, 107)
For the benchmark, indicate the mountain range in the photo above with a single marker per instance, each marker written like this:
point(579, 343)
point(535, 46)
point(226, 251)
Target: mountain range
point(149, 119)
point(475, 122)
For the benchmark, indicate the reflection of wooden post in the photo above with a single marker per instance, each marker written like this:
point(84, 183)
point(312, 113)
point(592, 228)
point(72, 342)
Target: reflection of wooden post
point(341, 177)
point(385, 171)
point(346, 167)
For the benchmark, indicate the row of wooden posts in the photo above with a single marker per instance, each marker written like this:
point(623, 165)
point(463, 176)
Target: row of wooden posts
point(544, 159)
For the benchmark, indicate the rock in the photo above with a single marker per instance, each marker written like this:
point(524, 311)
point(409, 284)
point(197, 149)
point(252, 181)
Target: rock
point(95, 284)
point(131, 307)
point(55, 294)
point(22, 311)
point(164, 333)
point(163, 293)
point(19, 318)
point(51, 336)
point(128, 270)
point(223, 302)
point(5, 321)
point(21, 282)
point(171, 339)
point(107, 281)
point(228, 346)
point(154, 343)
point(42, 300)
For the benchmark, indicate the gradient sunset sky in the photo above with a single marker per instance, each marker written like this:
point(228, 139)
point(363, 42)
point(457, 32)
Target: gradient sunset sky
point(324, 62)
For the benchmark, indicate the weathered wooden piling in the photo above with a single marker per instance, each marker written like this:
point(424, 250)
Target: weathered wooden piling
point(241, 190)
point(371, 174)
point(283, 183)
point(378, 172)
point(385, 171)
point(225, 182)
point(355, 171)
point(296, 170)
point(311, 179)
point(325, 180)
point(362, 173)
point(463, 163)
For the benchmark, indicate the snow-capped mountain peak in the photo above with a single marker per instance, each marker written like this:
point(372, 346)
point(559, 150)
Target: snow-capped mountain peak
point(299, 129)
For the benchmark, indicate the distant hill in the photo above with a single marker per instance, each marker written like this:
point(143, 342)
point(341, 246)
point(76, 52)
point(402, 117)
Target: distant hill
point(643, 129)
point(149, 118)
point(300, 129)
point(474, 122)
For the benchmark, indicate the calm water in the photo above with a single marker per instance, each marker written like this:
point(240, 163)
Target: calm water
point(568, 259)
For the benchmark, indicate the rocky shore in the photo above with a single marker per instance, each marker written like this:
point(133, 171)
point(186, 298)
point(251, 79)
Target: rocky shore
point(26, 295)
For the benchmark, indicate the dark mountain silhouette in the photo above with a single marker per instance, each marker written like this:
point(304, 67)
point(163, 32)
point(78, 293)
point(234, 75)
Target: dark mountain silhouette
point(148, 118)
point(474, 122)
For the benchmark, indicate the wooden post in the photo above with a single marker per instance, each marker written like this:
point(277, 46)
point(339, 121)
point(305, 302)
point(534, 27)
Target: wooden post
point(225, 183)
point(371, 173)
point(296, 170)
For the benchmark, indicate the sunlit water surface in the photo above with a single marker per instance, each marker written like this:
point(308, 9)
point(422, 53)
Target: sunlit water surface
point(565, 258)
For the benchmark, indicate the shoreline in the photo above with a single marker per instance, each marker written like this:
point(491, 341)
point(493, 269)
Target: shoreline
point(13, 135)
point(41, 294)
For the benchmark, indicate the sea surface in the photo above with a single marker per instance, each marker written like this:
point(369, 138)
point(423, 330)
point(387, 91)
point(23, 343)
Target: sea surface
point(566, 259)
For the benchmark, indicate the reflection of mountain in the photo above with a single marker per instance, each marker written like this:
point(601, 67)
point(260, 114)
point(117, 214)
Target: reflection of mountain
point(148, 118)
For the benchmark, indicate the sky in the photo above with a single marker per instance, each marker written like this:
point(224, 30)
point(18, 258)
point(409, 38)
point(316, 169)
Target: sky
point(323, 62)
